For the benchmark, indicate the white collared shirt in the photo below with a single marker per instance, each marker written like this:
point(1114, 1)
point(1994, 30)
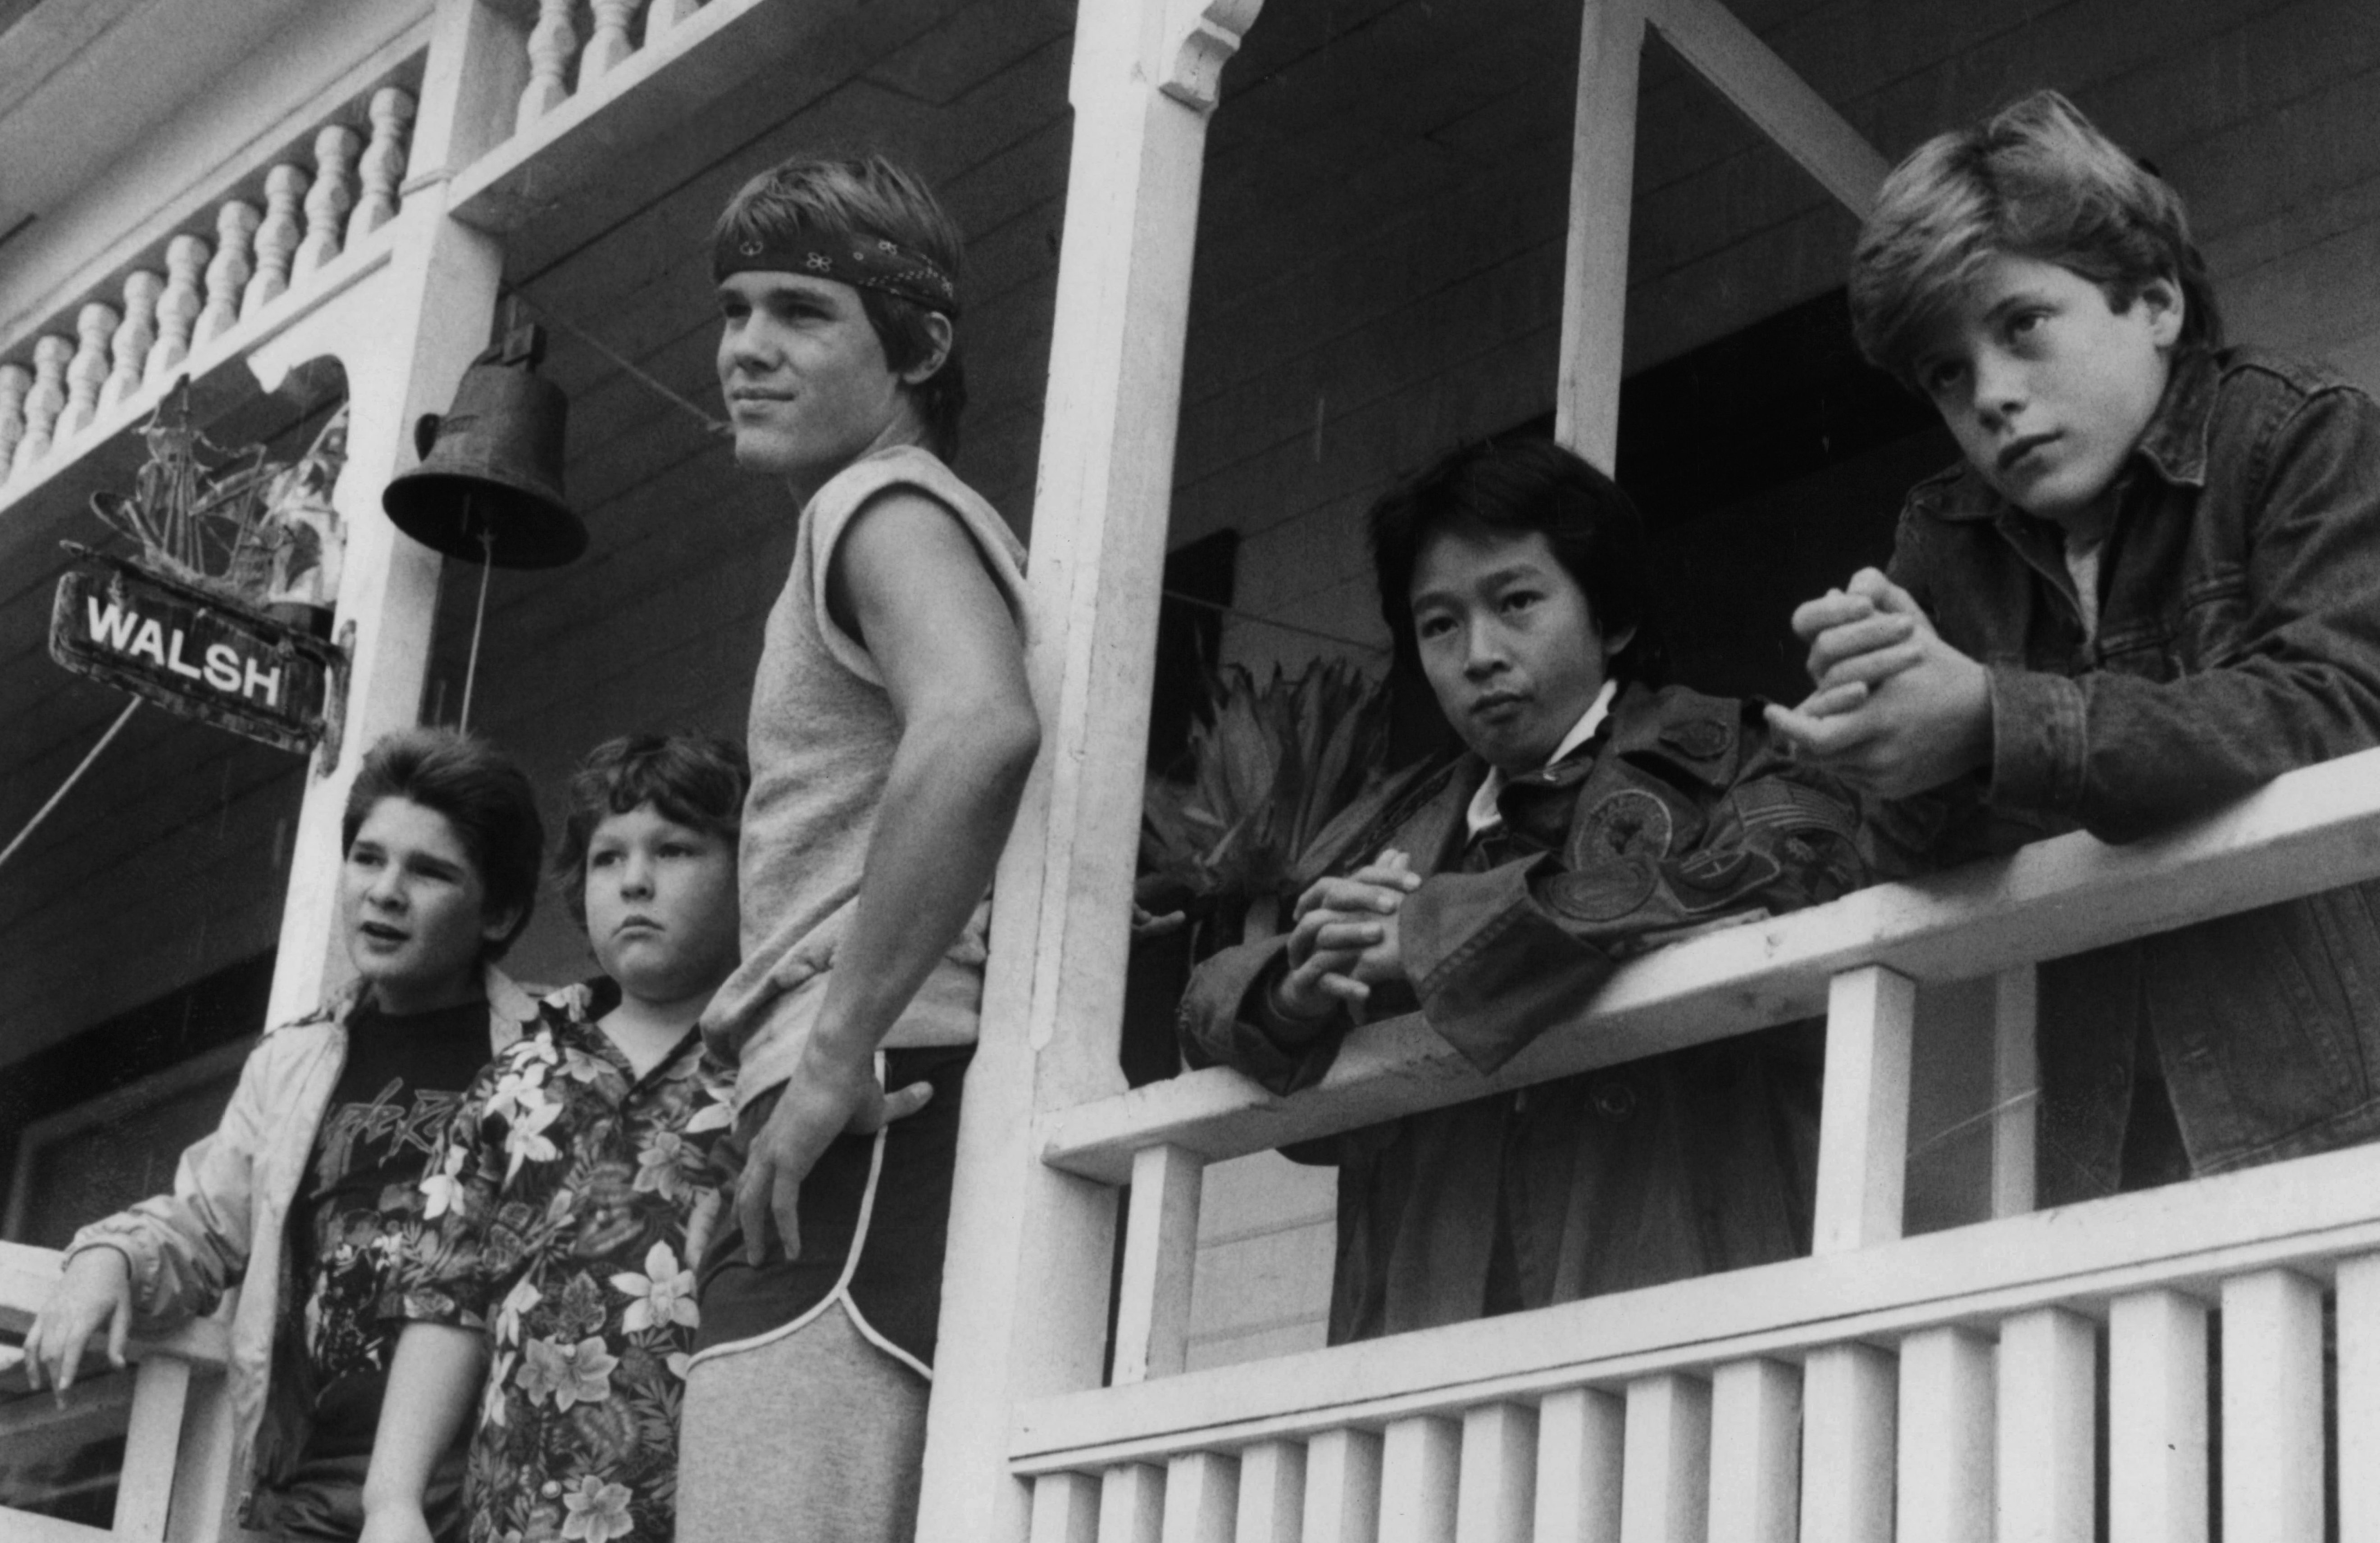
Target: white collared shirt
point(1484, 816)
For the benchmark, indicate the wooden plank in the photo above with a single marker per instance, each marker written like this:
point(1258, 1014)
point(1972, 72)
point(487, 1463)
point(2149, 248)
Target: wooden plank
point(2359, 1397)
point(1582, 1457)
point(1420, 1461)
point(1756, 1462)
point(2016, 1089)
point(1595, 259)
point(1664, 1483)
point(1132, 1503)
point(2272, 1408)
point(2156, 1418)
point(206, 1490)
point(1849, 1434)
point(144, 1494)
point(1497, 1495)
point(1945, 1462)
point(1272, 1493)
point(26, 1526)
point(1342, 1488)
point(2306, 831)
point(1780, 102)
point(1065, 1509)
point(1202, 1497)
point(1864, 1121)
point(1160, 1249)
point(2047, 1465)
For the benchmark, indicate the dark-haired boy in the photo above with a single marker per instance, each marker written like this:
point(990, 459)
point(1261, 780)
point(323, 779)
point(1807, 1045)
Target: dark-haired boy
point(2153, 585)
point(1595, 813)
point(313, 1174)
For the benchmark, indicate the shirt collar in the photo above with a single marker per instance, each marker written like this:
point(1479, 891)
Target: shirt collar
point(1483, 815)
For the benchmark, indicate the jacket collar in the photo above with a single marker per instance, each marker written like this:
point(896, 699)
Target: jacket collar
point(511, 1010)
point(2172, 446)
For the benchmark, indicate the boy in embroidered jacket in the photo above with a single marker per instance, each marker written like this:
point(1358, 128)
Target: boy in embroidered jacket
point(574, 1190)
point(2154, 584)
point(309, 1185)
point(1595, 813)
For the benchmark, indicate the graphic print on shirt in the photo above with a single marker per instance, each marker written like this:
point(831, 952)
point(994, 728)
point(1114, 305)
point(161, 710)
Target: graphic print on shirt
point(366, 1199)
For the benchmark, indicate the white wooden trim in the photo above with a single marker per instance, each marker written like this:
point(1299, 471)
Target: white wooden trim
point(1763, 87)
point(1497, 1495)
point(2309, 830)
point(2048, 1387)
point(1755, 1459)
point(26, 1526)
point(1581, 1453)
point(1065, 1509)
point(2016, 1089)
point(205, 1496)
point(1132, 1503)
point(144, 1493)
point(1946, 1436)
point(1272, 1493)
point(2359, 1397)
point(1160, 1247)
point(2191, 1237)
point(1664, 1483)
point(2272, 1408)
point(1342, 1488)
point(1420, 1458)
point(1849, 1435)
point(2156, 1418)
point(1864, 1119)
point(1595, 253)
point(1202, 1497)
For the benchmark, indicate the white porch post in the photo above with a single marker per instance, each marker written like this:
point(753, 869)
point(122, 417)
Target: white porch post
point(440, 291)
point(1594, 275)
point(1030, 1247)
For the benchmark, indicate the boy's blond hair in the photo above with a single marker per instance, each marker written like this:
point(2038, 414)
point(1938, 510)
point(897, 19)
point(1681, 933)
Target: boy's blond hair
point(2037, 180)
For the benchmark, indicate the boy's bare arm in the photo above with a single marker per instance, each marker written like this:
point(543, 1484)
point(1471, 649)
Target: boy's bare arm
point(432, 1381)
point(953, 663)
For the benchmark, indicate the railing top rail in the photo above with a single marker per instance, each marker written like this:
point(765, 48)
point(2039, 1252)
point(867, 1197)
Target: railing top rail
point(27, 1274)
point(2188, 1238)
point(2310, 830)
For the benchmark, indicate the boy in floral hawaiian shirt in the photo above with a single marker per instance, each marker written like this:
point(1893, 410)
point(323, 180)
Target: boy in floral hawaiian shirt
point(573, 1191)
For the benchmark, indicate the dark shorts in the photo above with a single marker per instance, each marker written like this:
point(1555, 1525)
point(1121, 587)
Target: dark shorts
point(875, 1214)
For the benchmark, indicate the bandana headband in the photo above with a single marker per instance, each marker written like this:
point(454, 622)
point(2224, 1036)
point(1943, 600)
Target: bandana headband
point(863, 262)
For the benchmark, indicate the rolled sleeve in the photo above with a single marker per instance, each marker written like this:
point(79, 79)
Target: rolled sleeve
point(2039, 743)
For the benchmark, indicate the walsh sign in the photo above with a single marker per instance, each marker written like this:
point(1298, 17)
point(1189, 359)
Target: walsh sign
point(193, 652)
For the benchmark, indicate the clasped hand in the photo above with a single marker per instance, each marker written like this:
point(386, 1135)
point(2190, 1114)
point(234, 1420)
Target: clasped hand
point(1345, 940)
point(1895, 709)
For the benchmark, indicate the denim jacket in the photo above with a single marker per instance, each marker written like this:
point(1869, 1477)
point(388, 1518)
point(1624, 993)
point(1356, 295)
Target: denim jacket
point(2239, 637)
point(230, 1203)
point(1683, 817)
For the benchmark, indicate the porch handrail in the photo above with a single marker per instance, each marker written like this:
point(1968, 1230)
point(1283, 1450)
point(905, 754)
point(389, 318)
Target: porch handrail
point(2309, 830)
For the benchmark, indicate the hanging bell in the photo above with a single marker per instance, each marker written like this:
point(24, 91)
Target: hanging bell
point(489, 488)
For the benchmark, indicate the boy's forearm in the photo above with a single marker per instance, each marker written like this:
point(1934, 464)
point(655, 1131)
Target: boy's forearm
point(434, 1379)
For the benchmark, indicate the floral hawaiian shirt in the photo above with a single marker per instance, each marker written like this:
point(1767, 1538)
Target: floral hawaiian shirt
point(567, 1205)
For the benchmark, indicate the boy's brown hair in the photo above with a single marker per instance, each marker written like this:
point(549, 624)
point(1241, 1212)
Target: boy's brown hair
point(699, 780)
point(869, 196)
point(480, 792)
point(2036, 180)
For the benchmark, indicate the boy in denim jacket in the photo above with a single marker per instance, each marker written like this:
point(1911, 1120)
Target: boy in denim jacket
point(2153, 585)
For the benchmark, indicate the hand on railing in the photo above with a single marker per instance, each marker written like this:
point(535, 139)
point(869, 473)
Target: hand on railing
point(96, 1289)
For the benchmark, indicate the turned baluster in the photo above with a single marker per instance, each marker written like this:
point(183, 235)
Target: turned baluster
point(381, 170)
point(551, 43)
point(86, 373)
point(277, 237)
point(663, 15)
point(611, 42)
point(177, 307)
point(227, 274)
point(135, 338)
point(42, 404)
point(15, 381)
point(326, 207)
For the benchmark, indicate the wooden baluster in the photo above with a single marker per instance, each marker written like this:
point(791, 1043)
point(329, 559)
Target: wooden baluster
point(551, 43)
point(1419, 1462)
point(228, 273)
point(1863, 1116)
point(1580, 1458)
point(1756, 1464)
point(144, 1497)
point(1849, 1424)
point(43, 403)
point(135, 338)
point(611, 42)
point(382, 169)
point(2272, 1408)
point(86, 372)
point(1202, 1497)
point(178, 307)
point(277, 237)
point(1665, 1487)
point(1065, 1509)
point(1497, 1493)
point(2156, 1418)
point(1342, 1488)
point(1160, 1247)
point(1272, 1493)
point(333, 194)
point(2048, 1388)
point(15, 381)
point(663, 15)
point(2359, 1394)
point(1132, 1503)
point(1946, 1419)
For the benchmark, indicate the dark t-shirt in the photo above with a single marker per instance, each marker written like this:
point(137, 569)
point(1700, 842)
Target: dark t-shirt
point(361, 1203)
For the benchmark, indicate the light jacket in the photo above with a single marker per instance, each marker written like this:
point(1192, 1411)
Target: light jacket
point(1679, 815)
point(2239, 637)
point(230, 1203)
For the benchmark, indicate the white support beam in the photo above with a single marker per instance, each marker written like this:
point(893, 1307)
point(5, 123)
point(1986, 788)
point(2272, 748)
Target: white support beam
point(1595, 257)
point(1160, 1245)
point(1766, 89)
point(1864, 1121)
point(2016, 1089)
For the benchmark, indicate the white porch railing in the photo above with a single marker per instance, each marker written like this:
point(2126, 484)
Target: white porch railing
point(175, 1480)
point(1944, 1387)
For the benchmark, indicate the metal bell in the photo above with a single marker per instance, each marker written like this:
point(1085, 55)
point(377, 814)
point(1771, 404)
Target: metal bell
point(489, 488)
